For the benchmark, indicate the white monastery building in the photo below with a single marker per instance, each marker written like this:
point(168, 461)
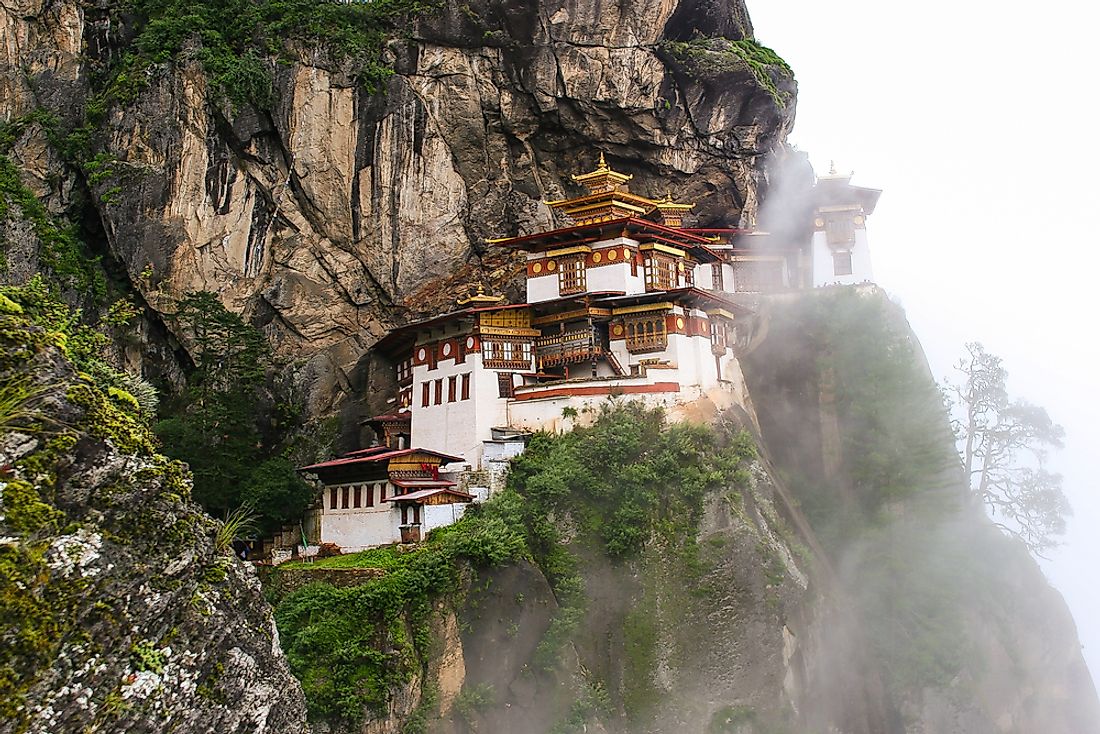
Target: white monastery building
point(622, 301)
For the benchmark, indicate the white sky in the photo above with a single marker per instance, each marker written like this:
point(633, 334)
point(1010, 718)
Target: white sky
point(978, 120)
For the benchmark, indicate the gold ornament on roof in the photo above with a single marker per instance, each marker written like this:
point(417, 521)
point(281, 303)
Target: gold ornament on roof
point(603, 179)
point(481, 297)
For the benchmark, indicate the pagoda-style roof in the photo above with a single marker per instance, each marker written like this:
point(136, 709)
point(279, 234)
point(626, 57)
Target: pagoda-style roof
point(694, 297)
point(441, 493)
point(373, 460)
point(836, 190)
point(608, 198)
point(642, 230)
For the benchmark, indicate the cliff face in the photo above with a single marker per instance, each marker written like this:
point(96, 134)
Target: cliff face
point(323, 218)
point(118, 611)
point(953, 618)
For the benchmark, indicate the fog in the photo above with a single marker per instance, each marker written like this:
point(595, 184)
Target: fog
point(967, 116)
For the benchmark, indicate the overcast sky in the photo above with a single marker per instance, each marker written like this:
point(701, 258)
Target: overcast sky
point(977, 119)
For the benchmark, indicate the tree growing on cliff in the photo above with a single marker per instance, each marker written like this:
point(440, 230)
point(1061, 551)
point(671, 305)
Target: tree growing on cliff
point(1003, 444)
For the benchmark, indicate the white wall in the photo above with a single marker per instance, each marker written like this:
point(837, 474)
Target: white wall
point(823, 261)
point(355, 529)
point(542, 288)
point(457, 428)
point(611, 278)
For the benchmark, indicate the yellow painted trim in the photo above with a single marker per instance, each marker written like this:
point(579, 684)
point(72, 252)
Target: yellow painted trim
point(662, 248)
point(662, 306)
point(721, 312)
point(507, 331)
point(575, 250)
point(567, 315)
point(612, 203)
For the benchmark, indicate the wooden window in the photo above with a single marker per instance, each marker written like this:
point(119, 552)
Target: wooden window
point(842, 263)
point(466, 386)
point(426, 395)
point(345, 495)
point(839, 229)
point(452, 388)
point(370, 495)
point(647, 334)
point(689, 273)
point(571, 274)
point(504, 384)
point(404, 371)
point(332, 498)
point(716, 277)
point(358, 501)
point(660, 272)
point(506, 354)
point(382, 491)
point(439, 391)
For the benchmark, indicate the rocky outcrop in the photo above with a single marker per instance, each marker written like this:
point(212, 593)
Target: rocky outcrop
point(120, 609)
point(325, 218)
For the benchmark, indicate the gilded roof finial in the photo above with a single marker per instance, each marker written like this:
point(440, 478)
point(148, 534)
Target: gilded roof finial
point(480, 297)
point(832, 168)
point(603, 163)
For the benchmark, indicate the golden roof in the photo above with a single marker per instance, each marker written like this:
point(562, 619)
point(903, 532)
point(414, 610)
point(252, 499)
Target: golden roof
point(667, 204)
point(602, 179)
point(481, 297)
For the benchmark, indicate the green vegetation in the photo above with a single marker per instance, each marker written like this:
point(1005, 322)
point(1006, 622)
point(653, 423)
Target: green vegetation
point(625, 481)
point(37, 605)
point(351, 646)
point(716, 55)
point(231, 426)
point(240, 42)
point(917, 560)
point(61, 252)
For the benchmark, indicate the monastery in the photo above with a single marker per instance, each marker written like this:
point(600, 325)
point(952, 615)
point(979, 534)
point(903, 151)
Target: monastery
point(624, 300)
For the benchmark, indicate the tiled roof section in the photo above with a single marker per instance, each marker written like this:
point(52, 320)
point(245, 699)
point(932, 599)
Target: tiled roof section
point(375, 454)
point(423, 494)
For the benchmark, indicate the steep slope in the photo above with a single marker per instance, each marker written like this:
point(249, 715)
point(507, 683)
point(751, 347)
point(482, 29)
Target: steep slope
point(118, 610)
point(957, 620)
point(322, 210)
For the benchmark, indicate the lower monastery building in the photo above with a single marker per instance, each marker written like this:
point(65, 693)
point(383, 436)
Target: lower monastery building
point(624, 301)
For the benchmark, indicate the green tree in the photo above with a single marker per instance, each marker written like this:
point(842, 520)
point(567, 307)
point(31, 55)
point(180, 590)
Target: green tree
point(231, 427)
point(1003, 445)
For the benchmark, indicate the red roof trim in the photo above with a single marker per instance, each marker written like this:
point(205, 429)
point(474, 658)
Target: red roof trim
point(358, 457)
point(561, 392)
point(425, 493)
point(644, 224)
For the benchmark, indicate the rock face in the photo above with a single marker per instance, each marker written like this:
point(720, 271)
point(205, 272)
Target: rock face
point(117, 613)
point(324, 218)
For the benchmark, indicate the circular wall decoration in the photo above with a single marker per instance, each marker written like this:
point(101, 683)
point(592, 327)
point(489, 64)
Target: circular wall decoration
point(626, 254)
point(819, 222)
point(596, 257)
point(679, 322)
point(551, 265)
point(617, 330)
point(422, 354)
point(858, 220)
point(447, 349)
point(613, 255)
point(536, 268)
point(469, 342)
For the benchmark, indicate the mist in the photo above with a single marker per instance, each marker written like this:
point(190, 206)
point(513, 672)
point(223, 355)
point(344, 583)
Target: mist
point(982, 233)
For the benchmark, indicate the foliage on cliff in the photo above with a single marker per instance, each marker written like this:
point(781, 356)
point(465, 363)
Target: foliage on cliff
point(622, 481)
point(232, 423)
point(239, 42)
point(114, 603)
point(860, 430)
